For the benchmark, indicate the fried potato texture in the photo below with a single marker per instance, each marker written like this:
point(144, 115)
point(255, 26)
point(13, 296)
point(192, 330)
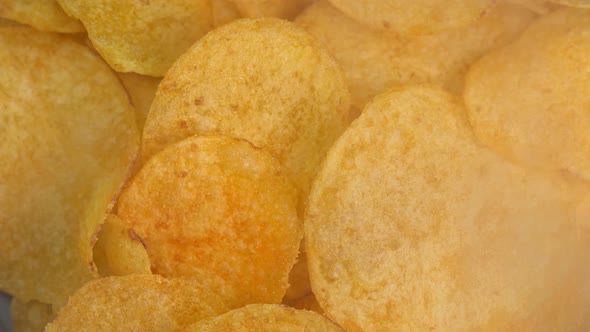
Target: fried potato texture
point(374, 61)
point(414, 17)
point(31, 316)
point(119, 251)
point(412, 226)
point(529, 101)
point(220, 211)
point(286, 9)
point(267, 317)
point(137, 303)
point(144, 37)
point(263, 80)
point(45, 15)
point(67, 141)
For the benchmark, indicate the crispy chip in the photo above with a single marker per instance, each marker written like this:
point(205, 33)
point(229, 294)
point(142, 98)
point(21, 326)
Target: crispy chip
point(574, 3)
point(263, 80)
point(414, 17)
point(141, 90)
point(224, 11)
point(286, 9)
point(266, 317)
point(119, 251)
point(411, 226)
point(529, 101)
point(220, 211)
point(140, 36)
point(375, 60)
point(46, 15)
point(7, 23)
point(30, 316)
point(137, 303)
point(67, 141)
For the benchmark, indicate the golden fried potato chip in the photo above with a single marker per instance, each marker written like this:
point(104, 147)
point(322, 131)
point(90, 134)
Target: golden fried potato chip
point(223, 11)
point(266, 317)
point(137, 303)
point(264, 80)
point(573, 3)
point(412, 226)
point(414, 17)
point(540, 7)
point(141, 90)
point(46, 15)
point(30, 316)
point(7, 23)
point(220, 211)
point(67, 141)
point(374, 61)
point(119, 251)
point(529, 100)
point(286, 9)
point(140, 36)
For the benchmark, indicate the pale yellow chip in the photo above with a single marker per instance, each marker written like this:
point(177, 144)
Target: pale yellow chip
point(141, 90)
point(139, 36)
point(266, 317)
point(529, 101)
point(224, 11)
point(412, 226)
point(414, 17)
point(263, 80)
point(30, 316)
point(220, 211)
point(46, 15)
point(67, 141)
point(374, 61)
point(119, 251)
point(137, 303)
point(286, 9)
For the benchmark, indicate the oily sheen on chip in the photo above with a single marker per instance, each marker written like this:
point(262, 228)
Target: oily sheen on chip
point(411, 226)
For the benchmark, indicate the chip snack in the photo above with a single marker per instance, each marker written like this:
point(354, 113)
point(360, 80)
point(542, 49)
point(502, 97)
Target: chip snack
point(529, 101)
point(137, 303)
point(263, 80)
point(266, 317)
point(141, 90)
point(223, 11)
point(46, 15)
point(374, 61)
point(299, 285)
point(220, 211)
point(6, 23)
point(119, 251)
point(67, 143)
point(140, 36)
point(286, 9)
point(308, 302)
point(573, 3)
point(411, 226)
point(31, 316)
point(415, 17)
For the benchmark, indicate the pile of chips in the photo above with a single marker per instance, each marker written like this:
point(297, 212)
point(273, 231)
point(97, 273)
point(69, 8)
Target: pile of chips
point(289, 165)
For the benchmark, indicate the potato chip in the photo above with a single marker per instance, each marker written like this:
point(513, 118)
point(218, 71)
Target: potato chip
point(223, 11)
point(286, 9)
point(67, 141)
point(414, 17)
point(46, 15)
point(119, 251)
point(220, 211)
point(141, 90)
point(140, 36)
point(264, 80)
point(266, 317)
point(137, 303)
point(529, 100)
point(375, 60)
point(411, 226)
point(574, 3)
point(541, 7)
point(308, 302)
point(30, 316)
point(6, 23)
